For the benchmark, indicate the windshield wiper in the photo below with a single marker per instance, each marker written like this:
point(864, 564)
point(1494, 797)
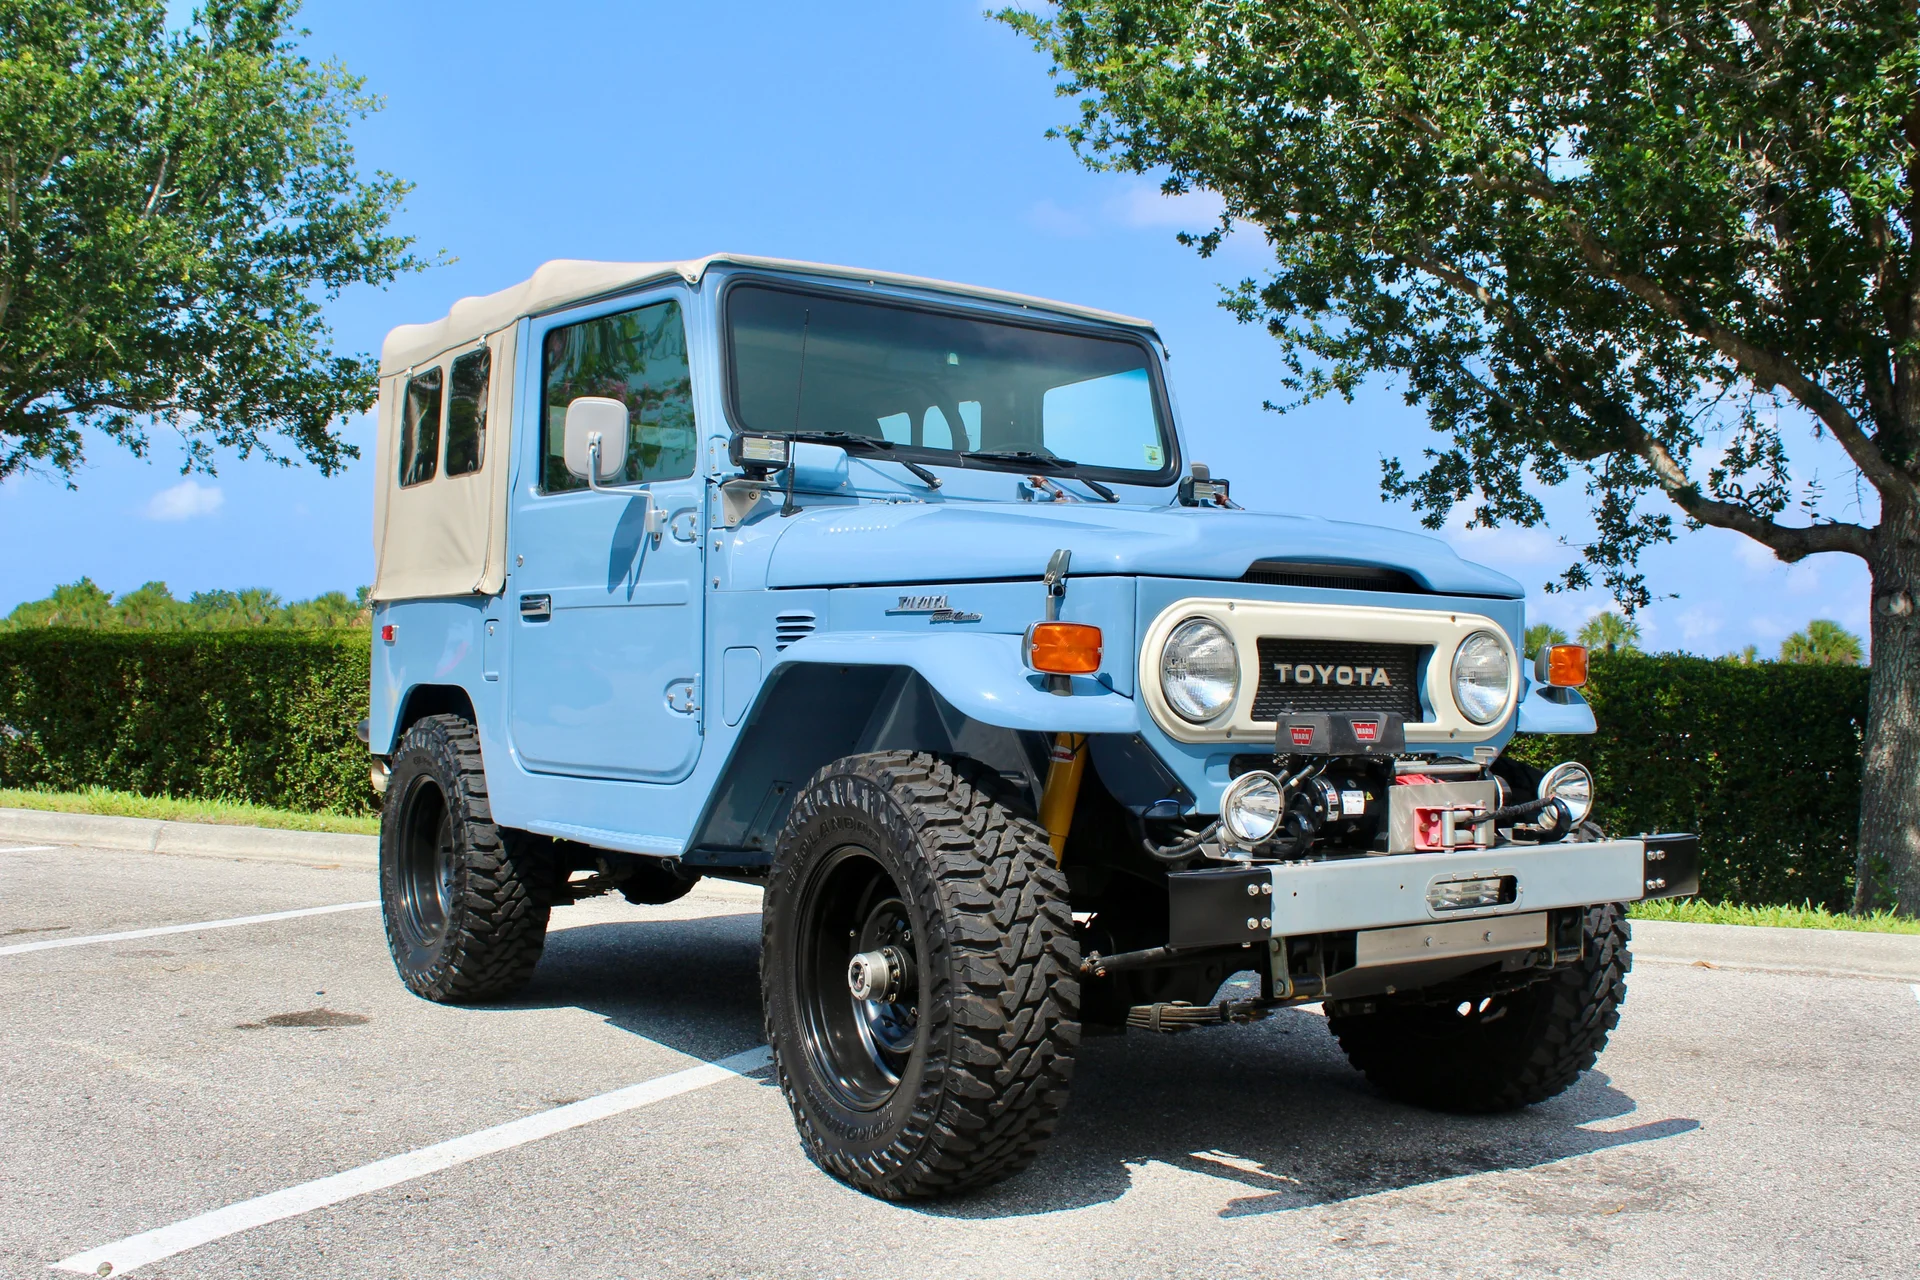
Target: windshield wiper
point(864, 444)
point(1042, 458)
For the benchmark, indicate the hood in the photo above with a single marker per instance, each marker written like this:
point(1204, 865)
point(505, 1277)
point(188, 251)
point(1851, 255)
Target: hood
point(914, 542)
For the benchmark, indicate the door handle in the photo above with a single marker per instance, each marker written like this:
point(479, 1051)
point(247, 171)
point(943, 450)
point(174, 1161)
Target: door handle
point(536, 608)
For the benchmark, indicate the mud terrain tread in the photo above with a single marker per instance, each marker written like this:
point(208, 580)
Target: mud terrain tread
point(499, 926)
point(1428, 1056)
point(993, 1093)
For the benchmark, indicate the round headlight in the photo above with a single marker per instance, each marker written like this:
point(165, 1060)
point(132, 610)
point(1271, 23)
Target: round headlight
point(1251, 809)
point(1482, 677)
point(1199, 671)
point(1572, 783)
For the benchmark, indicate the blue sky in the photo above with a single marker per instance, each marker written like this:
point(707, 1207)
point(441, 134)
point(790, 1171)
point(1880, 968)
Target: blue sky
point(900, 136)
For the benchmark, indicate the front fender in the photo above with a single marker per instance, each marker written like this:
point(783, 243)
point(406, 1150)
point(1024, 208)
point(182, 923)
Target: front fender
point(1542, 710)
point(981, 674)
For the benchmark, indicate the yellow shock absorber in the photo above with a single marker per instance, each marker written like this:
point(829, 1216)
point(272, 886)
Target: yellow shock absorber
point(1066, 762)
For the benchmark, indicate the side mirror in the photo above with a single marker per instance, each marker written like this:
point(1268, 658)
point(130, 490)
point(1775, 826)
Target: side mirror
point(591, 419)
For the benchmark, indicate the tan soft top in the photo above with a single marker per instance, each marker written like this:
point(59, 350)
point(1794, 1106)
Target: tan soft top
point(566, 281)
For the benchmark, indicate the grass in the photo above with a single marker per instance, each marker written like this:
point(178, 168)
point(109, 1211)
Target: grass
point(1693, 911)
point(126, 804)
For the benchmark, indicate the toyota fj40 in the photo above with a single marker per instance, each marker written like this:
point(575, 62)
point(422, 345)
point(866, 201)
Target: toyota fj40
point(905, 601)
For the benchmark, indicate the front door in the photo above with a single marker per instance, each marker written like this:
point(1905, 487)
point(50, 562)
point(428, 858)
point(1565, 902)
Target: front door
point(606, 616)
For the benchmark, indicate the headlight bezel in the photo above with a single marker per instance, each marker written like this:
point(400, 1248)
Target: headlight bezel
point(1495, 711)
point(1197, 714)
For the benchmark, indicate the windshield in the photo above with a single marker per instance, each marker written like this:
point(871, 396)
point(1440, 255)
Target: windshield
point(936, 385)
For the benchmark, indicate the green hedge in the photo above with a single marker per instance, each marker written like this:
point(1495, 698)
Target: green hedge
point(264, 717)
point(1762, 761)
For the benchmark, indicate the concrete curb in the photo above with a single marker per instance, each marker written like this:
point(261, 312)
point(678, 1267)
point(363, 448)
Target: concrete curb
point(190, 839)
point(326, 849)
point(1833, 953)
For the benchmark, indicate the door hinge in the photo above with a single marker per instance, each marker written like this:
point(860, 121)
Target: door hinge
point(684, 696)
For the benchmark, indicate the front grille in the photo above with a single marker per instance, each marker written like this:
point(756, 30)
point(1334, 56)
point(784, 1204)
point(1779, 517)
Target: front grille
point(1336, 577)
point(1342, 675)
point(789, 627)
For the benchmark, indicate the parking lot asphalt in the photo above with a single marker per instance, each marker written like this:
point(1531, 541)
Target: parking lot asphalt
point(1742, 1124)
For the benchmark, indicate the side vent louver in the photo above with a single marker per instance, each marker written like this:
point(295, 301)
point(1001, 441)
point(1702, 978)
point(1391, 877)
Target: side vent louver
point(788, 627)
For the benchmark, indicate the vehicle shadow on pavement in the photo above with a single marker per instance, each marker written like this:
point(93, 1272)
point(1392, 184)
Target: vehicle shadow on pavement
point(691, 985)
point(1276, 1108)
point(1273, 1106)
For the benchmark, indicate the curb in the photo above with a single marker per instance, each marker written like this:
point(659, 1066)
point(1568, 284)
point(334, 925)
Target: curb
point(1830, 953)
point(191, 839)
point(325, 850)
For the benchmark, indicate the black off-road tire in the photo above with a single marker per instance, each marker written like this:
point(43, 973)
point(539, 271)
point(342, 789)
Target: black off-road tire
point(1522, 1047)
point(480, 935)
point(985, 1062)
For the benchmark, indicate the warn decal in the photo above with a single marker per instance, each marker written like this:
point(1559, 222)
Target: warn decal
point(1313, 673)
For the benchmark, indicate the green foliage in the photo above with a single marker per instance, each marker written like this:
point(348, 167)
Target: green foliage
point(1805, 916)
point(152, 607)
point(1595, 239)
point(129, 804)
point(1822, 641)
point(261, 717)
point(175, 210)
point(1610, 633)
point(1762, 761)
point(1542, 634)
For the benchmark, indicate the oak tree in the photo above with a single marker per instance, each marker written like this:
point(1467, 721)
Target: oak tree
point(1622, 242)
point(176, 206)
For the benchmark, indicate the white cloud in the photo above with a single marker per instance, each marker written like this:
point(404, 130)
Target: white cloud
point(1699, 625)
point(1143, 205)
point(1054, 219)
point(184, 501)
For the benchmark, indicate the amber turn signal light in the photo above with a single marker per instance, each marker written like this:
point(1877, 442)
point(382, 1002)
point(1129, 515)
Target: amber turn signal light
point(1566, 666)
point(1062, 648)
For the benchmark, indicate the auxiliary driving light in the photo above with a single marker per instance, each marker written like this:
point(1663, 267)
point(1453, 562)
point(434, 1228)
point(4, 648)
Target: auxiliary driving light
point(1571, 784)
point(1062, 648)
point(1252, 808)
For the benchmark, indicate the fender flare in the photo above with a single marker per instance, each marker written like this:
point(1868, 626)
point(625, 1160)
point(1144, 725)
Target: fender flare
point(980, 673)
point(1542, 710)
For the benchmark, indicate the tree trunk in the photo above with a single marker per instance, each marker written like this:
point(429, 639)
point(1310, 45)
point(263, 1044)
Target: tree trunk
point(1889, 837)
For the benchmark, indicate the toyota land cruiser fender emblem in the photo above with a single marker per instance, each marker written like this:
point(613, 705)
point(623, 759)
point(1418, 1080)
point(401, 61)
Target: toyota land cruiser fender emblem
point(935, 607)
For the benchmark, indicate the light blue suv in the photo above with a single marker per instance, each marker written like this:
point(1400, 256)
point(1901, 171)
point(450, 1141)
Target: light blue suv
point(906, 601)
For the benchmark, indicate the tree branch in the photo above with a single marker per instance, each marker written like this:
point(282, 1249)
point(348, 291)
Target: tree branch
point(1767, 368)
point(1790, 544)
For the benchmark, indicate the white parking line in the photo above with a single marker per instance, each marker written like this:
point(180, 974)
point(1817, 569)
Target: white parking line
point(151, 1246)
point(31, 848)
point(19, 947)
point(1916, 991)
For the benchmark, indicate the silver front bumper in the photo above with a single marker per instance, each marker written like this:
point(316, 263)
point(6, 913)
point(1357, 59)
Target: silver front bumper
point(1228, 906)
point(1381, 892)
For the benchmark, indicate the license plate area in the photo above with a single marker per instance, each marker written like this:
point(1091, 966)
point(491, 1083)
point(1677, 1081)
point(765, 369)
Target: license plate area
point(1448, 939)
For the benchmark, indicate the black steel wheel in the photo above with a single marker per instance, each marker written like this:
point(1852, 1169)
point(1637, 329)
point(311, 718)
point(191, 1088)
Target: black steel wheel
point(919, 973)
point(464, 918)
point(1496, 1052)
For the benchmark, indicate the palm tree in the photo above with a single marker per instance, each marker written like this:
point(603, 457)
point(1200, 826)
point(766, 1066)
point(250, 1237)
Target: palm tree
point(1822, 642)
point(1611, 633)
point(1542, 634)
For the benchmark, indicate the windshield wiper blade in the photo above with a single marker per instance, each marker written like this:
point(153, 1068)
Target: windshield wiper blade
point(864, 444)
point(1043, 459)
point(1105, 493)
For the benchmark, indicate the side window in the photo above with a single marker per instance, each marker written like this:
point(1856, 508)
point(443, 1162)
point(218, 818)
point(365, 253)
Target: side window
point(467, 413)
point(420, 428)
point(638, 357)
